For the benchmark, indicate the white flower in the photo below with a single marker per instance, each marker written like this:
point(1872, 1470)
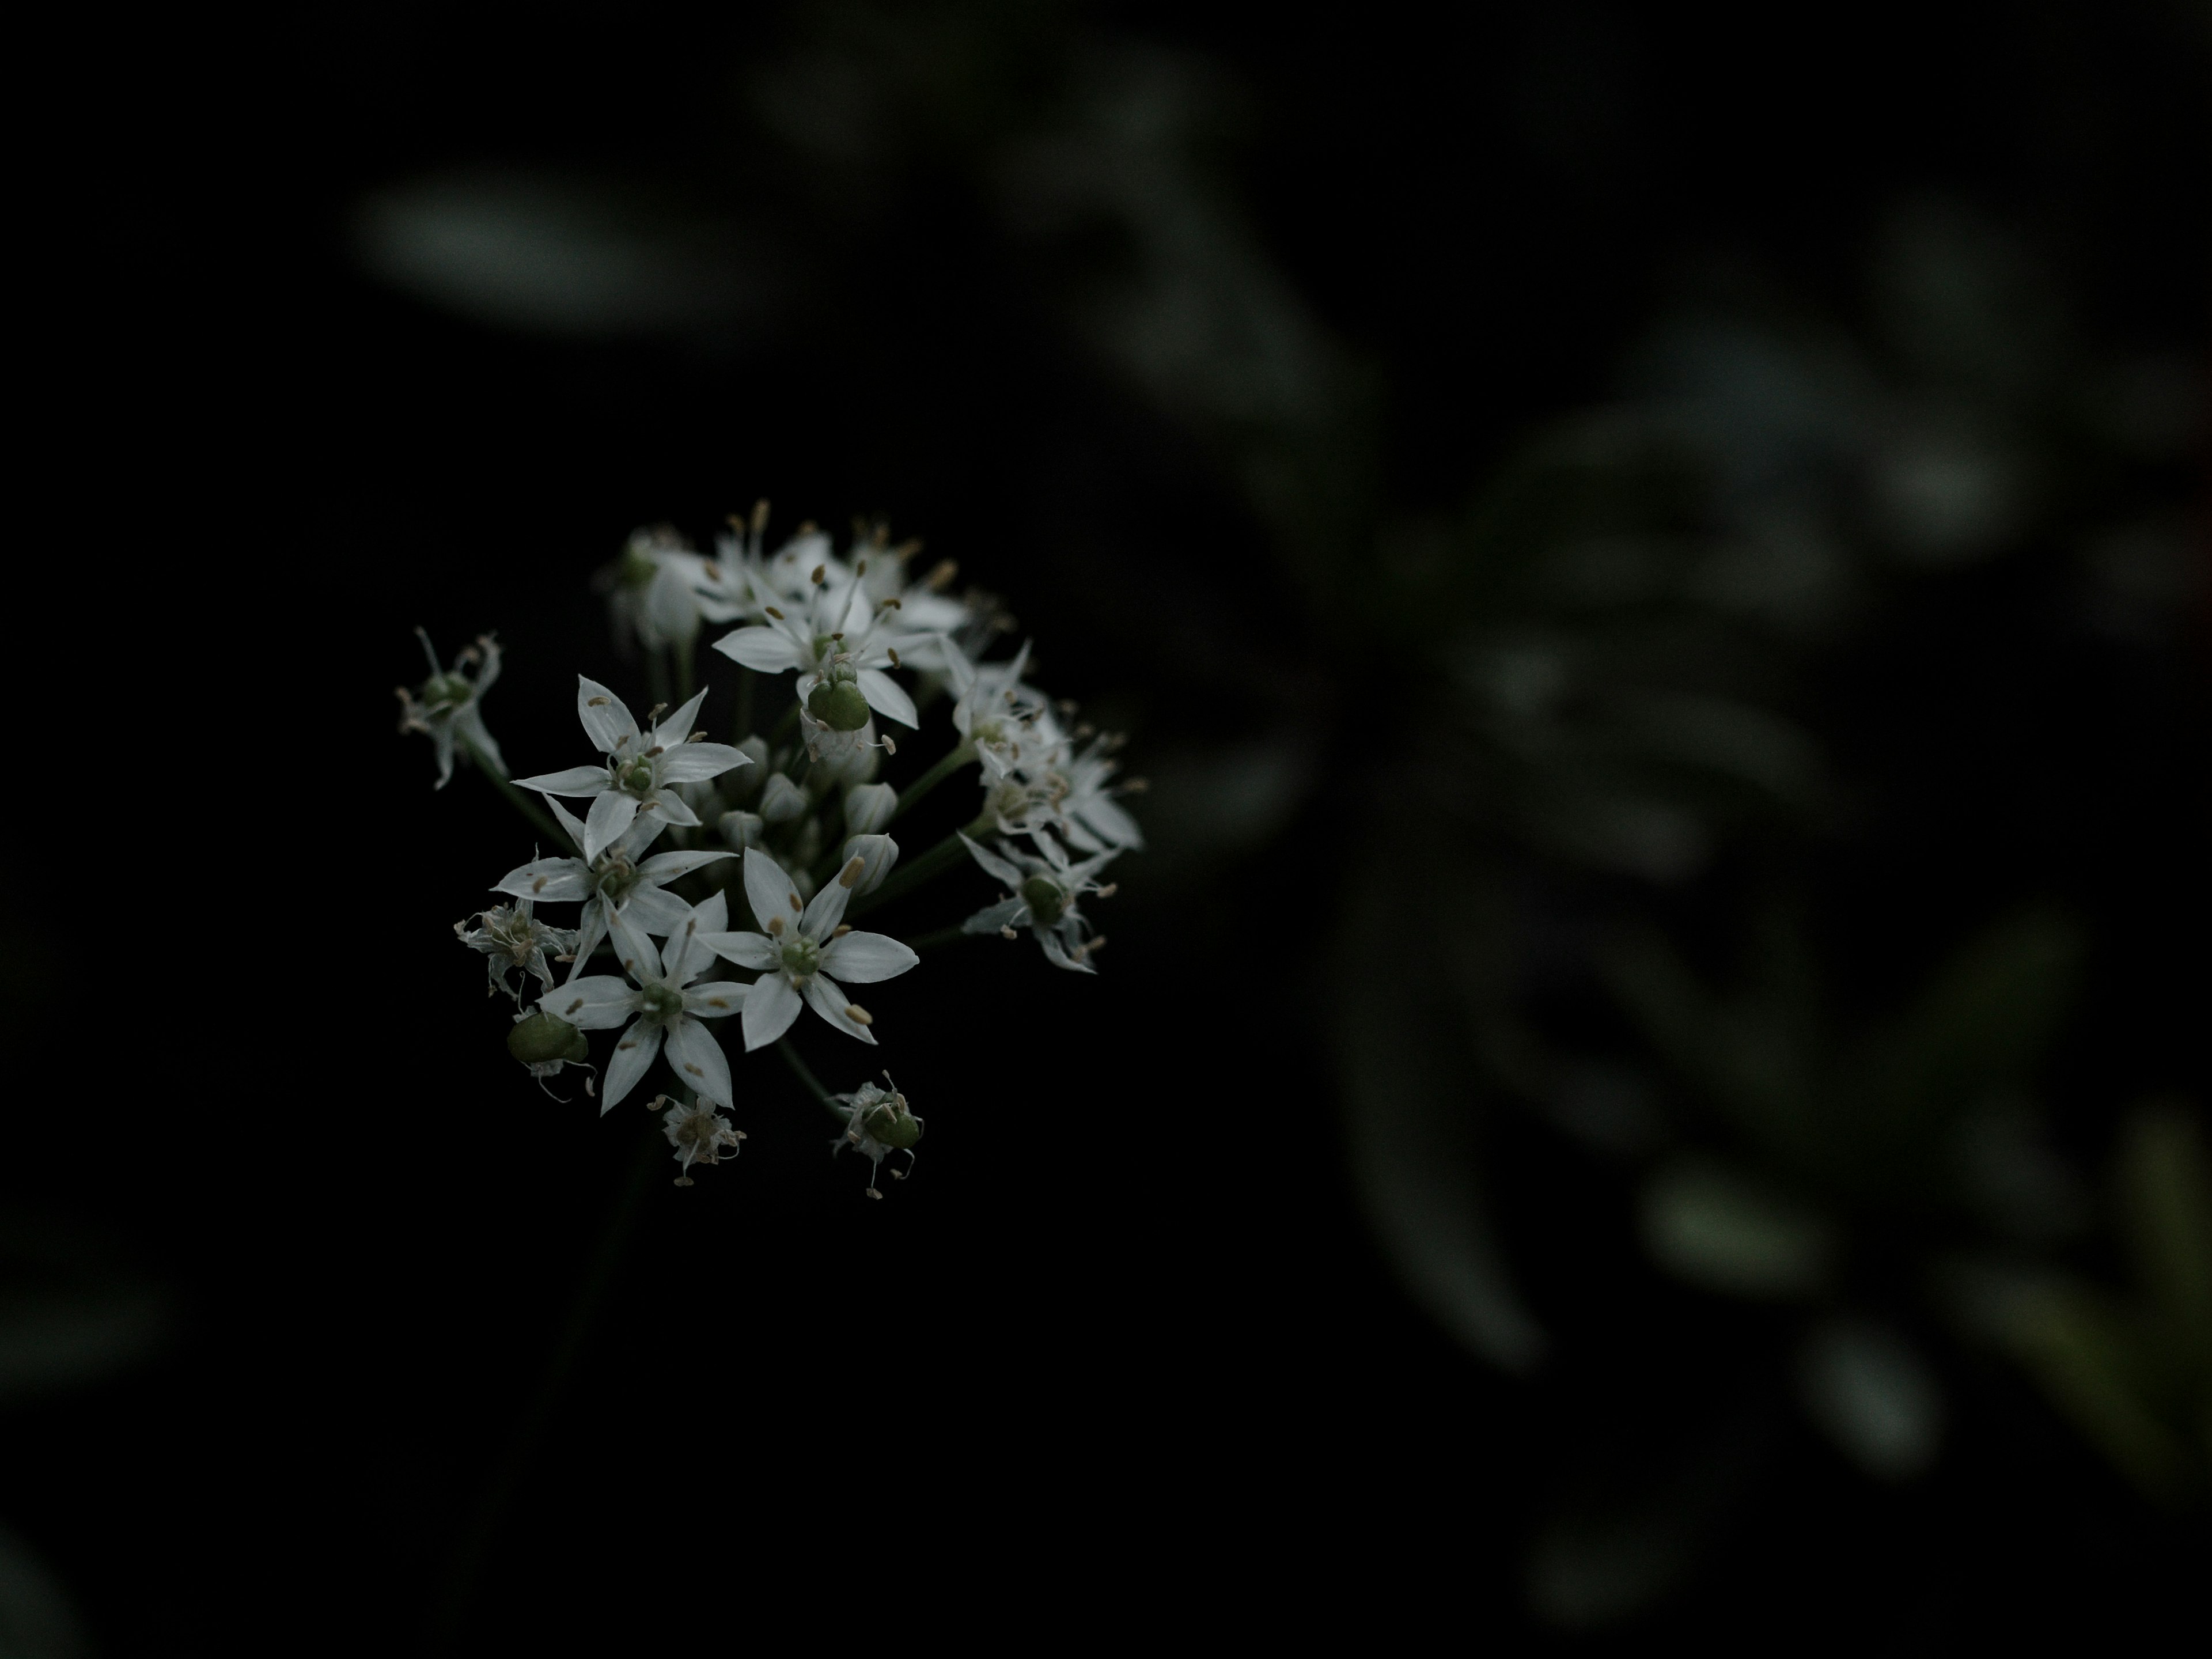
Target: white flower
point(446, 706)
point(878, 1123)
point(699, 1133)
point(1043, 900)
point(661, 1004)
point(512, 938)
point(875, 854)
point(1094, 820)
point(642, 770)
point(1009, 724)
point(738, 583)
point(614, 881)
point(652, 590)
point(801, 946)
point(868, 807)
point(840, 641)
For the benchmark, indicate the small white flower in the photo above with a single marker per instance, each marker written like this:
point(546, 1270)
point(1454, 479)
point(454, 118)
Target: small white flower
point(1094, 819)
point(446, 708)
point(616, 880)
point(1009, 724)
point(800, 947)
point(652, 590)
point(878, 1123)
point(641, 769)
point(512, 938)
point(839, 642)
point(699, 1133)
point(1044, 899)
point(661, 1005)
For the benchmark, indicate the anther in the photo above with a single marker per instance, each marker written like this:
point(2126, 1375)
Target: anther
point(1110, 890)
point(775, 927)
point(595, 702)
point(793, 897)
point(820, 574)
point(851, 872)
point(774, 612)
point(694, 1070)
point(890, 747)
point(698, 736)
point(893, 652)
point(858, 1015)
point(1136, 785)
point(538, 885)
point(1007, 933)
point(684, 1180)
point(842, 928)
point(941, 578)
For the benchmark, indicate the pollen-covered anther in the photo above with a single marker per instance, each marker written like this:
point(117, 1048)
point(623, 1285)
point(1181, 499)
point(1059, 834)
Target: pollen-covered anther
point(890, 747)
point(858, 1015)
point(793, 896)
point(940, 578)
point(851, 872)
point(892, 651)
point(841, 929)
point(1008, 933)
point(820, 574)
point(1110, 890)
point(776, 926)
point(774, 612)
point(700, 736)
point(595, 702)
point(1136, 785)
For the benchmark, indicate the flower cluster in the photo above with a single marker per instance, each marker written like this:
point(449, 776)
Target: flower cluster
point(717, 882)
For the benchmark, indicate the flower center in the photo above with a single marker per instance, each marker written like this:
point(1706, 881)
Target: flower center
point(1046, 898)
point(662, 1003)
point(801, 958)
point(636, 777)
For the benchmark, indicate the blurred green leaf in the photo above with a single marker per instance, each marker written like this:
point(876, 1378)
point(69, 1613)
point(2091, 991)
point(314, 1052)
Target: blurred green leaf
point(1873, 1394)
point(2164, 1195)
point(1724, 1230)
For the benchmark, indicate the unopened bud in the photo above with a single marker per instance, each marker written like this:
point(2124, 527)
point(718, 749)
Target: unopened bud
point(868, 807)
point(781, 800)
point(868, 859)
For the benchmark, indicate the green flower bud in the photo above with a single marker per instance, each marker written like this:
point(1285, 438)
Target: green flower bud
point(838, 705)
point(1044, 898)
point(541, 1038)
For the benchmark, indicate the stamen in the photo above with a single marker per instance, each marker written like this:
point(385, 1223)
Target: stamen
point(858, 1015)
point(889, 747)
point(820, 574)
point(842, 928)
point(941, 578)
point(851, 872)
point(774, 612)
point(694, 1070)
point(595, 703)
point(538, 885)
point(775, 927)
point(792, 895)
point(893, 651)
point(1007, 933)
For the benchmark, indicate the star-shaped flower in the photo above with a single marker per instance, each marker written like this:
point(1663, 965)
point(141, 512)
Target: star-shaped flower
point(1045, 891)
point(641, 769)
point(512, 938)
point(840, 641)
point(799, 949)
point(616, 880)
point(661, 1004)
point(446, 708)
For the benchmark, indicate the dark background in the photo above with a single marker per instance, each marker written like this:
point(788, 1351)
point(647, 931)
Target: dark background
point(1123, 1352)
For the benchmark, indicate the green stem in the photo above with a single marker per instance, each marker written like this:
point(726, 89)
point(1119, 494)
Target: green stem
point(786, 723)
point(942, 936)
point(910, 875)
point(684, 672)
point(530, 1429)
point(800, 1067)
point(529, 809)
point(960, 755)
point(656, 678)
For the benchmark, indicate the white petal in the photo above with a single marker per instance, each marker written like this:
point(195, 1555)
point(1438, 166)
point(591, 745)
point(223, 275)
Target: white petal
point(550, 881)
point(612, 812)
point(633, 950)
point(865, 958)
point(827, 998)
point(576, 780)
point(698, 1059)
point(663, 867)
point(887, 697)
point(634, 1053)
point(596, 1003)
point(1111, 822)
point(1008, 913)
point(606, 717)
point(569, 821)
point(1056, 953)
point(755, 951)
point(769, 890)
point(827, 909)
point(768, 649)
point(589, 931)
point(694, 762)
point(679, 726)
point(997, 864)
point(654, 910)
point(771, 1006)
point(718, 998)
point(666, 803)
point(683, 955)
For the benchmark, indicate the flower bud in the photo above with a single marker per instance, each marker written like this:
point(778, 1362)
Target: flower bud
point(740, 830)
point(540, 1038)
point(877, 855)
point(868, 807)
point(781, 800)
point(838, 705)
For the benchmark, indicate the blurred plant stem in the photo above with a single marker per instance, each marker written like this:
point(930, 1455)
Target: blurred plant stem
point(743, 719)
point(911, 797)
point(541, 820)
point(806, 1075)
point(474, 1552)
point(908, 877)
